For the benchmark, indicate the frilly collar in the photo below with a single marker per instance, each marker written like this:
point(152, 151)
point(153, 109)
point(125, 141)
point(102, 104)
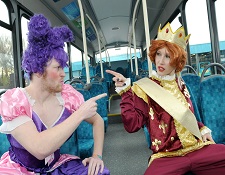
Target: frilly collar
point(165, 77)
point(32, 101)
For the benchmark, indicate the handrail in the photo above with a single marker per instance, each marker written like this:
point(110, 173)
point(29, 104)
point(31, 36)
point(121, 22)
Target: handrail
point(84, 40)
point(190, 67)
point(134, 38)
point(211, 65)
point(147, 35)
point(99, 44)
point(85, 86)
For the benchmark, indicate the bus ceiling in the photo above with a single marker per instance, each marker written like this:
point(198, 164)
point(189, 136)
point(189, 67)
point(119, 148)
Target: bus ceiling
point(113, 19)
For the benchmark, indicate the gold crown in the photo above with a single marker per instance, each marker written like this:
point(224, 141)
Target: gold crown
point(178, 37)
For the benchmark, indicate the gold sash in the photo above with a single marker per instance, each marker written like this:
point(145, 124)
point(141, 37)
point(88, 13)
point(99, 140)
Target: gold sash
point(171, 104)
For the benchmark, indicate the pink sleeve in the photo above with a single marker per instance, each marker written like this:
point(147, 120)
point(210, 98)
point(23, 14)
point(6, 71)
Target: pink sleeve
point(72, 98)
point(14, 103)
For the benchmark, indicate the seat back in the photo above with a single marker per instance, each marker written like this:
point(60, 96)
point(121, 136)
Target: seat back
point(193, 83)
point(4, 143)
point(71, 145)
point(85, 139)
point(196, 105)
point(212, 105)
point(96, 89)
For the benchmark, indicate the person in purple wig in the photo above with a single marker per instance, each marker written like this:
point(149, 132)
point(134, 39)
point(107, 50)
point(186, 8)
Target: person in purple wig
point(41, 117)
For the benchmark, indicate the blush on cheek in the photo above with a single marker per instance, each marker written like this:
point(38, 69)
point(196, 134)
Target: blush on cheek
point(53, 75)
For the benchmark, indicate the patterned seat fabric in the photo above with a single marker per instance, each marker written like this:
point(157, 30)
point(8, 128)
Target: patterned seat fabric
point(71, 146)
point(193, 82)
point(195, 105)
point(92, 71)
point(4, 144)
point(212, 105)
point(96, 89)
point(85, 139)
point(85, 132)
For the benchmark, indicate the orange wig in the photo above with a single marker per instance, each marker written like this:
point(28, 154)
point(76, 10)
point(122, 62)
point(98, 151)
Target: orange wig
point(178, 55)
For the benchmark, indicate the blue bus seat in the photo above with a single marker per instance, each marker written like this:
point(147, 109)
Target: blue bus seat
point(4, 143)
point(144, 65)
point(193, 83)
point(92, 71)
point(107, 77)
point(147, 136)
point(212, 105)
point(195, 105)
point(71, 145)
point(96, 89)
point(77, 83)
point(86, 93)
point(85, 139)
point(130, 74)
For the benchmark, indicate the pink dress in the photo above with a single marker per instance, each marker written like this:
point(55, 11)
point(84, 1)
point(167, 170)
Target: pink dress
point(18, 110)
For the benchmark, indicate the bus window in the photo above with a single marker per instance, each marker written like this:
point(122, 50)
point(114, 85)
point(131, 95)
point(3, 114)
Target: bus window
point(219, 4)
point(202, 66)
point(7, 76)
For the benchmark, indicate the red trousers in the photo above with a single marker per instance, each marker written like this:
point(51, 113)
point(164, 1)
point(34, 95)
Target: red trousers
point(210, 160)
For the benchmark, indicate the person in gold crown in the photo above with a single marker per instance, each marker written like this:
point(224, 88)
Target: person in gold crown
point(179, 143)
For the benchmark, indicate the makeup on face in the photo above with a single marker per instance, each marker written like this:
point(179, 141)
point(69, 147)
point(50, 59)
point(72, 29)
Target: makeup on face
point(162, 60)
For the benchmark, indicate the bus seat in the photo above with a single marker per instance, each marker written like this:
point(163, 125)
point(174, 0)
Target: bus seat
point(107, 77)
point(96, 89)
point(131, 74)
point(83, 133)
point(4, 143)
point(85, 139)
point(195, 105)
point(193, 83)
point(212, 105)
point(144, 65)
point(86, 94)
point(92, 71)
point(147, 136)
point(77, 83)
point(71, 145)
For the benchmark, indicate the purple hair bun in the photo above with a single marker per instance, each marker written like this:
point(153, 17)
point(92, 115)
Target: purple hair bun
point(44, 43)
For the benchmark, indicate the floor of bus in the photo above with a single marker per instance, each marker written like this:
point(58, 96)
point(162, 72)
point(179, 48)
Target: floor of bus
point(124, 153)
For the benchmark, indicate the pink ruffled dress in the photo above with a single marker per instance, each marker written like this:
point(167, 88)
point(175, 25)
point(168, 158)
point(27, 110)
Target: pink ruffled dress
point(18, 110)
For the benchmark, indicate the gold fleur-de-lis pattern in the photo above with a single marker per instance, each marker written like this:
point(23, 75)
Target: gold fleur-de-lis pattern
point(163, 126)
point(151, 113)
point(156, 143)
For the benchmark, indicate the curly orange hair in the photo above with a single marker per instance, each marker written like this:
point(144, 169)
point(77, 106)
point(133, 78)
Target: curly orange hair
point(178, 55)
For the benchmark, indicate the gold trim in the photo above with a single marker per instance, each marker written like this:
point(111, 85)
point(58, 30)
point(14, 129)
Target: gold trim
point(180, 112)
point(124, 90)
point(139, 92)
point(202, 128)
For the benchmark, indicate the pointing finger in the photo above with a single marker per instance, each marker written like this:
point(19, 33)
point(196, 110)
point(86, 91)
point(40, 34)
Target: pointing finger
point(112, 72)
point(99, 96)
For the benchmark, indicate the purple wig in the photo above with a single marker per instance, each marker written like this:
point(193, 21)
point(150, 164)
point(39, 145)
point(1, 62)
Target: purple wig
point(44, 43)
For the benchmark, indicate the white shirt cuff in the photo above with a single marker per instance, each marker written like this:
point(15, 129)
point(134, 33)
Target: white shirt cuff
point(205, 131)
point(119, 89)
